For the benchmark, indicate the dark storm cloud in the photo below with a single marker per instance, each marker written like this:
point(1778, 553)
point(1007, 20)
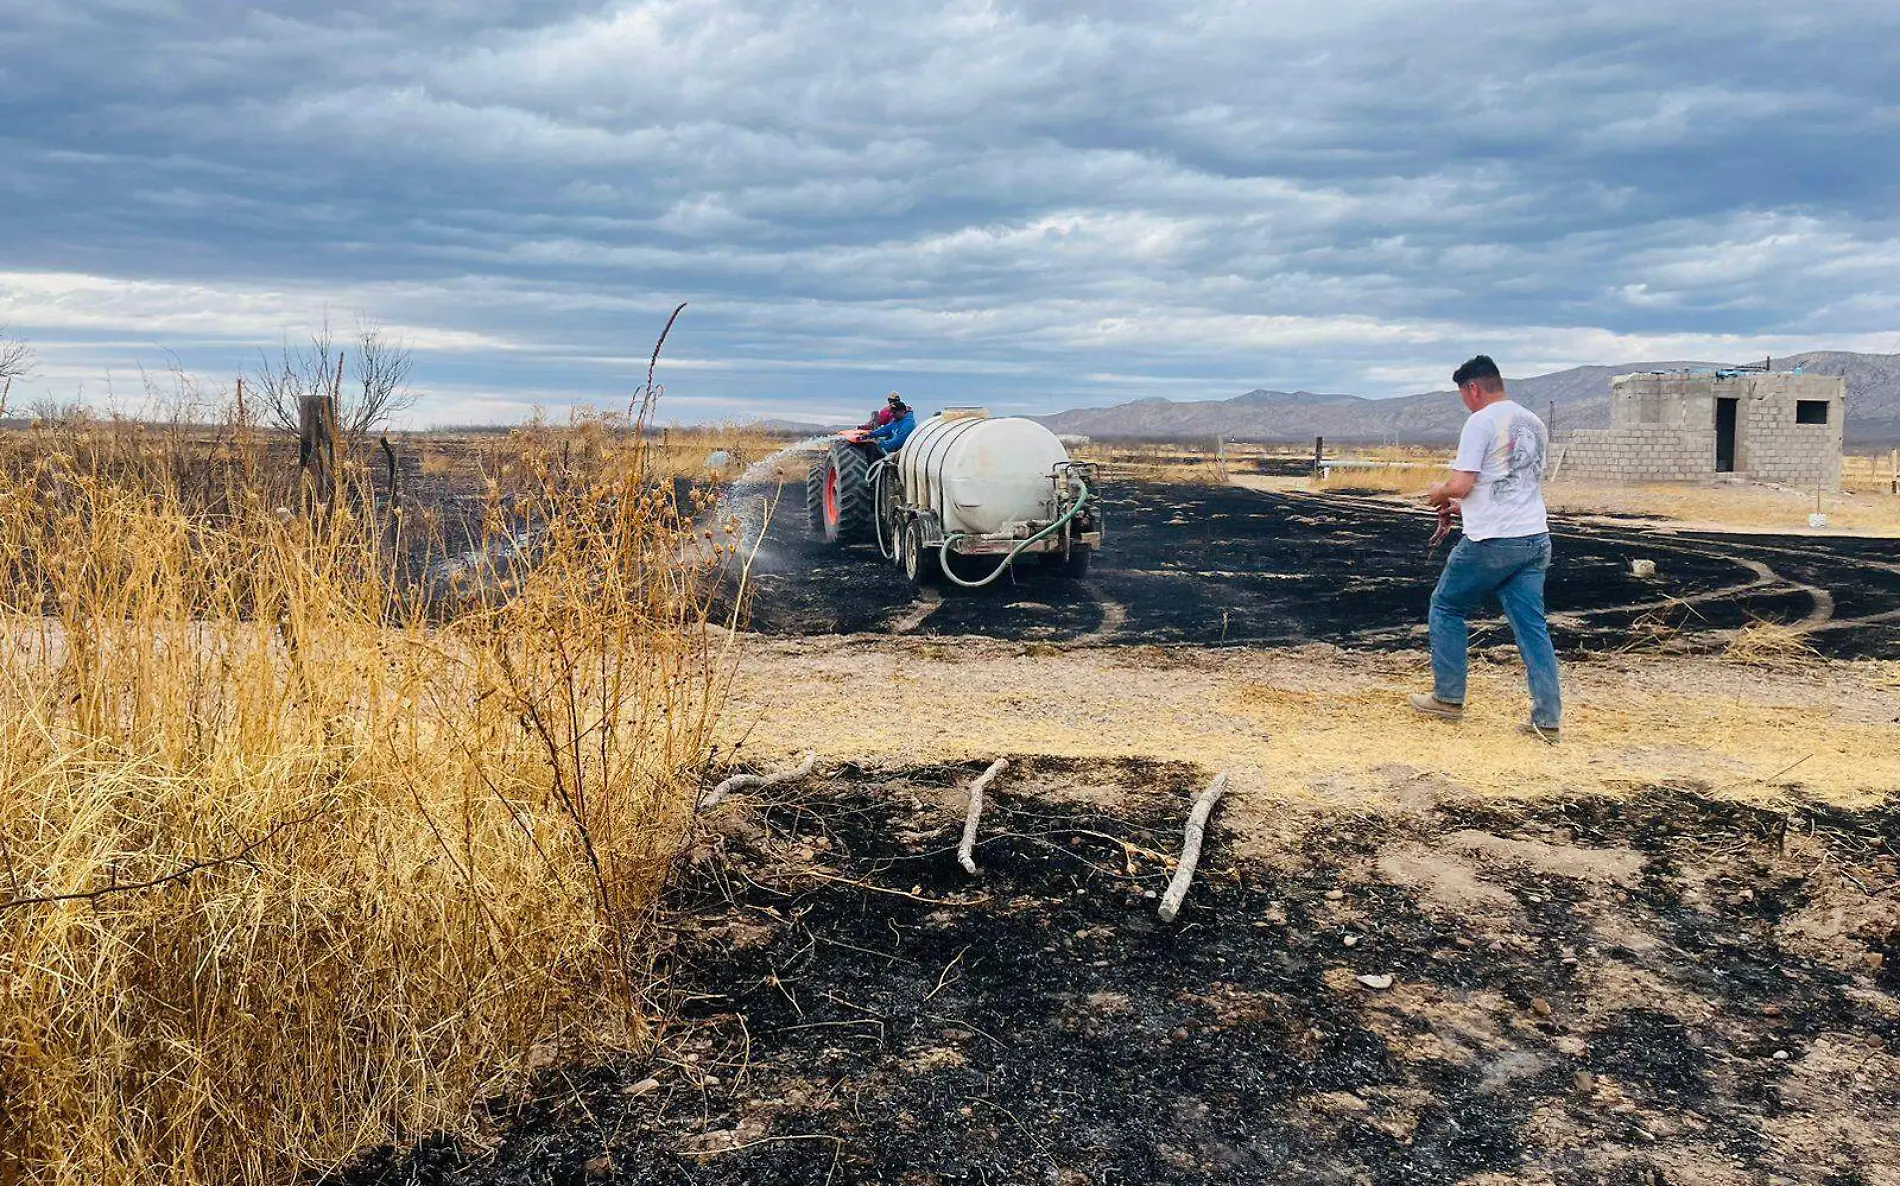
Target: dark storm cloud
point(1035, 203)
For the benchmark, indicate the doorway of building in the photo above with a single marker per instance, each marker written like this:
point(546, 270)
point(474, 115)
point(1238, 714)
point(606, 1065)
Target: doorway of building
point(1725, 435)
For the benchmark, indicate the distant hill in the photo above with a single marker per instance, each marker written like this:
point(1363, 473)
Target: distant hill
point(1581, 395)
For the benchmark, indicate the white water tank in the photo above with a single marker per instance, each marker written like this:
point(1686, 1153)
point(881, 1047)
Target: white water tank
point(981, 474)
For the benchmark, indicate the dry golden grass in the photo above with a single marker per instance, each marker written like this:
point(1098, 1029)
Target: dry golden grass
point(1768, 643)
point(1166, 462)
point(1734, 508)
point(1396, 478)
point(291, 860)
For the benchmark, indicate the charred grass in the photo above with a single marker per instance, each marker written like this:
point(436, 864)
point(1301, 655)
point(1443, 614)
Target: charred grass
point(1663, 988)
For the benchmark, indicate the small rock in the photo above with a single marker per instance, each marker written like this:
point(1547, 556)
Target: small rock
point(1584, 1081)
point(1149, 894)
point(1534, 899)
point(1180, 1035)
point(1746, 895)
point(598, 1168)
point(1540, 1006)
point(641, 1088)
point(1771, 1010)
point(1876, 960)
point(1379, 981)
point(1781, 1056)
point(1334, 895)
point(1351, 940)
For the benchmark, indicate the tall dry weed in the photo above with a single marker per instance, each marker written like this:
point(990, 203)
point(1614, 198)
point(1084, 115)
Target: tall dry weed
point(305, 845)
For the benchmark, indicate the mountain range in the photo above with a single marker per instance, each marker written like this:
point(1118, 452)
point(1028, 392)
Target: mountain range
point(1579, 398)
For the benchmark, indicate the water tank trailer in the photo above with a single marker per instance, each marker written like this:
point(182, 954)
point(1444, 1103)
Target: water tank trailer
point(967, 496)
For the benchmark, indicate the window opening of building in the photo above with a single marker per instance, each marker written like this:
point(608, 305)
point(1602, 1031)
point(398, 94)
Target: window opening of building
point(1810, 411)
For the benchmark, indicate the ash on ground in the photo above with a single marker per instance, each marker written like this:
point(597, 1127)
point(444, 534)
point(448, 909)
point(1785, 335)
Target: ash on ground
point(1659, 989)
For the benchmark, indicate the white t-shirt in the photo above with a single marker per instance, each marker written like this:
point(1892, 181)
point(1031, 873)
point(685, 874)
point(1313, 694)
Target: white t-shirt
point(1506, 445)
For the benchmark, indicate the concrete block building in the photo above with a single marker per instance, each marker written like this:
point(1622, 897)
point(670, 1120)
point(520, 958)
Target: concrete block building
point(1764, 426)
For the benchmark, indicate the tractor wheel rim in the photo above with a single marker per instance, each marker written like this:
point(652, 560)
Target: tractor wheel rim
point(831, 496)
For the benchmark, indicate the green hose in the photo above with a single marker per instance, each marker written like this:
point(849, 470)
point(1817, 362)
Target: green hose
point(943, 554)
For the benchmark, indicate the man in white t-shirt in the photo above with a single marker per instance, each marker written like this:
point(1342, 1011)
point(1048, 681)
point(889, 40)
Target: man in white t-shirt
point(1497, 487)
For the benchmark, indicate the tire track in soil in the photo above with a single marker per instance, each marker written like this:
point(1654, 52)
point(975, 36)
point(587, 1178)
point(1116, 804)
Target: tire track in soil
point(929, 601)
point(1114, 617)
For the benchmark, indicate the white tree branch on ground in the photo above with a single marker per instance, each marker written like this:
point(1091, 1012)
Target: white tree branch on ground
point(741, 782)
point(966, 851)
point(1191, 848)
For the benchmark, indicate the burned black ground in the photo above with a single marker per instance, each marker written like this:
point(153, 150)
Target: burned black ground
point(1212, 565)
point(851, 1007)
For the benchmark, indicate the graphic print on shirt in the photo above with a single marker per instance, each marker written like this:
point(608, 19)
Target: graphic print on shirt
point(1520, 447)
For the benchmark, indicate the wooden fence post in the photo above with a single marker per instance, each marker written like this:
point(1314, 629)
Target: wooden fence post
point(316, 451)
point(1319, 454)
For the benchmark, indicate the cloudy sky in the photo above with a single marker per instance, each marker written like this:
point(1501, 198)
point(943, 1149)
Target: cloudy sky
point(1033, 205)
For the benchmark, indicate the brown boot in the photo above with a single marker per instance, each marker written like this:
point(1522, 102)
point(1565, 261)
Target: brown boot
point(1432, 706)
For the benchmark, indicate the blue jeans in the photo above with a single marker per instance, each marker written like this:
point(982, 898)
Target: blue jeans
point(1513, 571)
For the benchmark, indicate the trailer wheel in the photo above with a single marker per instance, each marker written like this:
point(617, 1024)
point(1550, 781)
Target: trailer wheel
point(815, 497)
point(920, 560)
point(846, 498)
point(1074, 566)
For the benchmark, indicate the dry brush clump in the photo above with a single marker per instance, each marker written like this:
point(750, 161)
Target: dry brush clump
point(299, 850)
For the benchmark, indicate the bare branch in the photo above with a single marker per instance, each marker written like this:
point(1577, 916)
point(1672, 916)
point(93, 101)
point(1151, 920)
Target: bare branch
point(1191, 848)
point(966, 851)
point(381, 367)
point(179, 874)
point(16, 359)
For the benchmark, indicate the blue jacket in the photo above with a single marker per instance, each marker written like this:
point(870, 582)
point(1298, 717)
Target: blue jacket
point(893, 435)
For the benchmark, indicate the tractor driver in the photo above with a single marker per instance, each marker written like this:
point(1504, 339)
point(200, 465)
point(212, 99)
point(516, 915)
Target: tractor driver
point(891, 436)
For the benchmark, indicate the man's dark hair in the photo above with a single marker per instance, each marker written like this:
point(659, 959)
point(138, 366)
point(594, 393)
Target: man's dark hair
point(1482, 370)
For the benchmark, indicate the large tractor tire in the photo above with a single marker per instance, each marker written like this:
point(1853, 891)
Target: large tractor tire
point(847, 497)
point(815, 497)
